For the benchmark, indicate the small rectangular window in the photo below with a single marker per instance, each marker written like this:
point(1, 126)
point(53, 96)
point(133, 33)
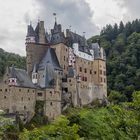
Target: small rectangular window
point(80, 69)
point(90, 71)
point(85, 70)
point(39, 94)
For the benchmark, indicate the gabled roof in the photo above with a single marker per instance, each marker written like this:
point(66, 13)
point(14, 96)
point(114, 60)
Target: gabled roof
point(23, 80)
point(75, 38)
point(50, 57)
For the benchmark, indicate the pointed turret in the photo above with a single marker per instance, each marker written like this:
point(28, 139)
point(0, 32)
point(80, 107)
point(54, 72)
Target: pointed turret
point(57, 34)
point(30, 38)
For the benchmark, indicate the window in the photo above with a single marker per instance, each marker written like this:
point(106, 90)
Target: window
point(104, 72)
point(51, 93)
point(104, 80)
point(28, 90)
point(29, 99)
point(21, 98)
point(64, 58)
point(94, 72)
point(85, 78)
point(19, 89)
point(85, 70)
point(51, 103)
point(24, 107)
point(39, 94)
point(101, 79)
point(0, 89)
point(69, 80)
point(33, 76)
point(5, 90)
point(90, 71)
point(80, 69)
point(4, 97)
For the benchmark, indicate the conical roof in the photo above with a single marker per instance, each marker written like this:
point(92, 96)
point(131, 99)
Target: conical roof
point(30, 31)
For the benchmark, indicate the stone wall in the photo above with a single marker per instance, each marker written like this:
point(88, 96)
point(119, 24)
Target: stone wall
point(34, 54)
point(17, 99)
point(62, 55)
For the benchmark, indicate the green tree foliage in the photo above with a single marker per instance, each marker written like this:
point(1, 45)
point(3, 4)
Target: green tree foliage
point(114, 122)
point(58, 130)
point(9, 59)
point(122, 45)
point(5, 124)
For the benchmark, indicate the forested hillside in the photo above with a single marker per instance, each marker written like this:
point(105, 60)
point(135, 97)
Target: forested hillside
point(114, 122)
point(122, 46)
point(9, 59)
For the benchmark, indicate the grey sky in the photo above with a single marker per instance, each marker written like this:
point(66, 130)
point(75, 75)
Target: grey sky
point(83, 15)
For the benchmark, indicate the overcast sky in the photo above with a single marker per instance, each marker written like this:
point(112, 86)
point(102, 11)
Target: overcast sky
point(83, 15)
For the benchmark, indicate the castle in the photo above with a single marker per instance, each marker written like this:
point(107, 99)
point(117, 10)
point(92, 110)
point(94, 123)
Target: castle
point(62, 70)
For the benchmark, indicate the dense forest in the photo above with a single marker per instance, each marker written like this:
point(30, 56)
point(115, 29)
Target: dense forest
point(122, 45)
point(9, 59)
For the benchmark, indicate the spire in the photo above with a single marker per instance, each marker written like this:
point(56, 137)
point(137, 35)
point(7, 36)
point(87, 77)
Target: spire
point(30, 30)
point(54, 14)
point(30, 37)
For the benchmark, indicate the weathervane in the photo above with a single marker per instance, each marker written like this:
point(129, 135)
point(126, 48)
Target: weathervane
point(54, 14)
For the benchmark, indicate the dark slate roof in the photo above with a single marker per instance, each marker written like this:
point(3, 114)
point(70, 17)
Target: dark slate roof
point(75, 38)
point(12, 72)
point(57, 36)
point(30, 31)
point(48, 36)
point(71, 72)
point(50, 75)
point(50, 57)
point(23, 80)
point(97, 51)
point(96, 48)
point(37, 32)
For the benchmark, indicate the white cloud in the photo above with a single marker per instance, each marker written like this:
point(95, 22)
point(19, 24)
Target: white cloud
point(83, 15)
